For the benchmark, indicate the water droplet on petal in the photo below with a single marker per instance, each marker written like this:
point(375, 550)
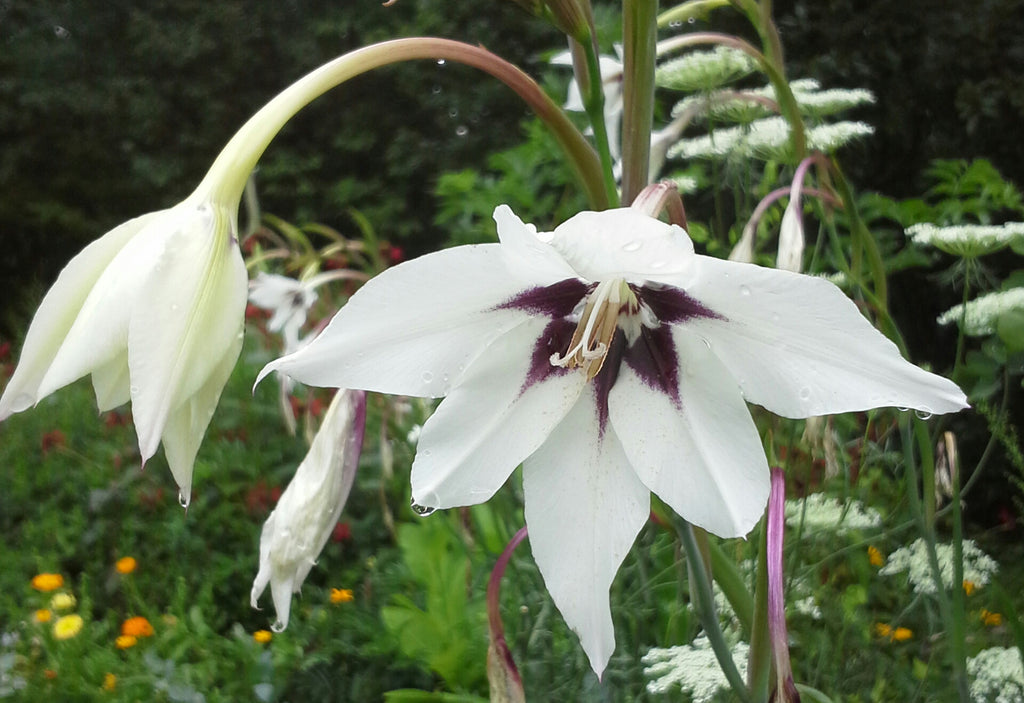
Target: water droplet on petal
point(657, 264)
point(805, 394)
point(184, 500)
point(427, 377)
point(174, 307)
point(421, 510)
point(707, 342)
point(278, 626)
point(924, 412)
point(903, 410)
point(744, 291)
point(134, 390)
point(632, 246)
point(775, 317)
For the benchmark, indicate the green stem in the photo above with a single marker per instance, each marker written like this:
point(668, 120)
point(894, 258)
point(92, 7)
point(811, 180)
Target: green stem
point(593, 102)
point(689, 9)
point(759, 659)
point(640, 34)
point(225, 181)
point(956, 646)
point(705, 602)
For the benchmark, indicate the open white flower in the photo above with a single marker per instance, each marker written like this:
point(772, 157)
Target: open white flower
point(612, 361)
point(308, 510)
point(154, 311)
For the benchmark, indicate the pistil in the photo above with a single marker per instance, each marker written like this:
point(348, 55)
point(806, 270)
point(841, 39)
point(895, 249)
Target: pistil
point(597, 324)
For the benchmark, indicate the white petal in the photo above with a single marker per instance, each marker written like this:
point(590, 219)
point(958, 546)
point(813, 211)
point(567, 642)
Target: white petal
point(57, 313)
point(704, 459)
point(187, 321)
point(413, 329)
point(799, 347)
point(490, 422)
point(186, 424)
point(622, 243)
point(110, 383)
point(584, 508)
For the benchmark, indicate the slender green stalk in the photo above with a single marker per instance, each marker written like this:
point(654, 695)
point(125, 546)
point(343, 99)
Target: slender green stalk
point(759, 659)
point(593, 102)
point(227, 177)
point(956, 645)
point(640, 34)
point(705, 602)
point(688, 10)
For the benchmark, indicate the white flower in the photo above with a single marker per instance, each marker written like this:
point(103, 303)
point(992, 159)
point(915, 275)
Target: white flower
point(288, 299)
point(978, 566)
point(744, 106)
point(611, 79)
point(308, 510)
point(703, 70)
point(767, 138)
point(997, 675)
point(693, 667)
point(967, 240)
point(819, 511)
point(612, 361)
point(983, 313)
point(154, 311)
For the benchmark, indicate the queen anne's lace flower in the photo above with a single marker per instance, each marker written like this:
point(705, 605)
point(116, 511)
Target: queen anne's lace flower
point(819, 511)
point(612, 361)
point(693, 667)
point(981, 315)
point(767, 138)
point(703, 70)
point(913, 559)
point(967, 240)
point(997, 676)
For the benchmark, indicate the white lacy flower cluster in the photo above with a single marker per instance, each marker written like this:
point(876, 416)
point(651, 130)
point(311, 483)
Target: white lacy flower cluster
point(981, 315)
point(819, 511)
point(702, 70)
point(692, 667)
point(997, 676)
point(767, 138)
point(967, 240)
point(978, 566)
point(745, 106)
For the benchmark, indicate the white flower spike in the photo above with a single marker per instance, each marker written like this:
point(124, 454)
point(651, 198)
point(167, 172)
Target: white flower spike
point(308, 510)
point(612, 362)
point(154, 311)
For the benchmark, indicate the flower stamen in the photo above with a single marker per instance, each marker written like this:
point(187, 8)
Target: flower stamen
point(596, 327)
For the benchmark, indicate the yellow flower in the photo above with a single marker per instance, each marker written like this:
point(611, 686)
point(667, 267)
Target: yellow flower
point(42, 615)
point(875, 557)
point(47, 582)
point(63, 601)
point(125, 565)
point(67, 627)
point(969, 587)
point(137, 627)
point(109, 682)
point(991, 619)
point(897, 634)
point(126, 641)
point(262, 636)
point(341, 595)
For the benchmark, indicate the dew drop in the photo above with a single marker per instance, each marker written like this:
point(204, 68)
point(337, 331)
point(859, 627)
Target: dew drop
point(278, 626)
point(453, 112)
point(805, 394)
point(184, 500)
point(675, 24)
point(903, 410)
point(436, 90)
point(924, 413)
point(775, 317)
point(657, 265)
point(61, 32)
point(421, 510)
point(632, 246)
point(174, 307)
point(440, 62)
point(691, 20)
point(707, 342)
point(461, 131)
point(427, 377)
point(134, 390)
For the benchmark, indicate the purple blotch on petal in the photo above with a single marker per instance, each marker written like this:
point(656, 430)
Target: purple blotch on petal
point(672, 305)
point(557, 300)
point(606, 377)
point(553, 340)
point(654, 358)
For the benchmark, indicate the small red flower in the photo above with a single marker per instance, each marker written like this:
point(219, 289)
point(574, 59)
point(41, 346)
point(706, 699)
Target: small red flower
point(54, 439)
point(342, 532)
point(261, 498)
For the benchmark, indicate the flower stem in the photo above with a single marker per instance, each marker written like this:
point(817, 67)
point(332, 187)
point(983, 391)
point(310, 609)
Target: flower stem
point(226, 179)
point(593, 102)
point(705, 602)
point(640, 34)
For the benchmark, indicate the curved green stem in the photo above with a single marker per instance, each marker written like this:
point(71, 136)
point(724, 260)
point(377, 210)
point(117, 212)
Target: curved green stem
point(639, 30)
point(226, 179)
point(706, 609)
